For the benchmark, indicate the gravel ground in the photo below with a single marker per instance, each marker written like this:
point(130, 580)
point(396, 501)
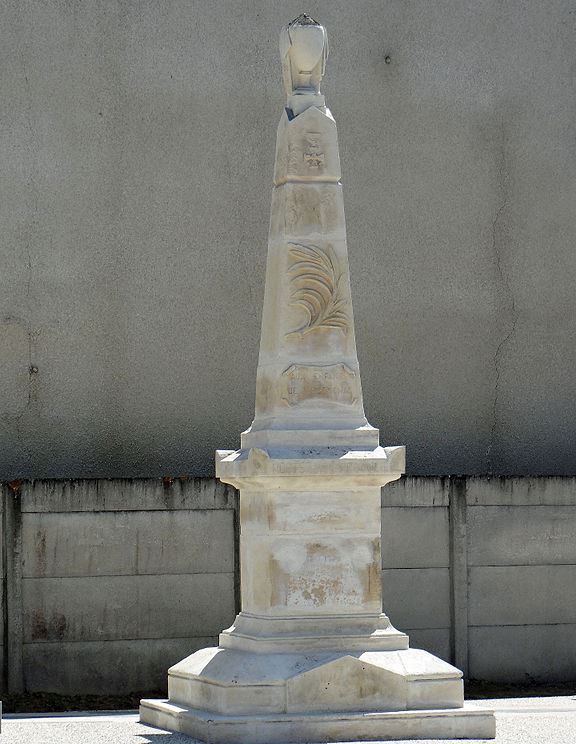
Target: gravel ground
point(562, 703)
point(550, 720)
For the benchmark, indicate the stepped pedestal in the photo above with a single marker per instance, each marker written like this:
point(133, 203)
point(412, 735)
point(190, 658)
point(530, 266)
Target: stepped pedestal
point(311, 656)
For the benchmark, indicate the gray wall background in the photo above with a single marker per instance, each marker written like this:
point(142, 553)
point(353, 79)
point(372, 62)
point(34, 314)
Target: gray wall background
point(137, 147)
point(108, 583)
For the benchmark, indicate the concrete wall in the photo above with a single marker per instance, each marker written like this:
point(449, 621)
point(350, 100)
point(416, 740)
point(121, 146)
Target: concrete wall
point(483, 573)
point(108, 583)
point(137, 148)
point(111, 582)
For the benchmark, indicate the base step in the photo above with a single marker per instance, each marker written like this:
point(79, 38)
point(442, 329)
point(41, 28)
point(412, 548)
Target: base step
point(468, 722)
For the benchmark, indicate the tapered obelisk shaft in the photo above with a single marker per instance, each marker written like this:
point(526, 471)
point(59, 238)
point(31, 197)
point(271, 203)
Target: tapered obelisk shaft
point(308, 377)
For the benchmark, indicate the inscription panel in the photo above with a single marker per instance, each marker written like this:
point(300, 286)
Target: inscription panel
point(299, 575)
point(332, 382)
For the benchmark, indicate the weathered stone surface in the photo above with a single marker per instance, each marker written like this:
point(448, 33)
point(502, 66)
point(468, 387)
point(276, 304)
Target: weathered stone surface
point(311, 639)
point(230, 681)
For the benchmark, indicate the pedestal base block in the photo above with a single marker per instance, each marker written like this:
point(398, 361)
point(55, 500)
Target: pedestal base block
point(226, 695)
point(468, 722)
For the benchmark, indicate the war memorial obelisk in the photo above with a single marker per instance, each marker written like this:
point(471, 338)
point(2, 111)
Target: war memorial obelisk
point(311, 657)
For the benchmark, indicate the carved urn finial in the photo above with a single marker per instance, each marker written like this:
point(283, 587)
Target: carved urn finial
point(303, 50)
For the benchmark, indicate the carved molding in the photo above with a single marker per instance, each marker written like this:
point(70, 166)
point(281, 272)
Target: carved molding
point(315, 286)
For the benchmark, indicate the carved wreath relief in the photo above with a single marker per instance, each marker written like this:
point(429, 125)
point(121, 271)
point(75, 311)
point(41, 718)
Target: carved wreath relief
point(316, 286)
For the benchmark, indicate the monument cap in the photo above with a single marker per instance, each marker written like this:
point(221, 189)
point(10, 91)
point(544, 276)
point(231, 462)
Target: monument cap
point(303, 50)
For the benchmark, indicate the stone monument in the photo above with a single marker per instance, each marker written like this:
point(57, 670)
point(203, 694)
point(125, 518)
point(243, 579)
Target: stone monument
point(311, 656)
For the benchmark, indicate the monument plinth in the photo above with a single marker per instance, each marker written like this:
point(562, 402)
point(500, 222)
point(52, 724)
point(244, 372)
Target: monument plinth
point(311, 656)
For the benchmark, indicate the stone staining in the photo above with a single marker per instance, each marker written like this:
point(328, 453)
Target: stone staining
point(311, 652)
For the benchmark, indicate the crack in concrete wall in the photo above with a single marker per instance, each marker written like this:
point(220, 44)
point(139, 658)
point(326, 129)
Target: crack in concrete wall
point(498, 243)
point(30, 230)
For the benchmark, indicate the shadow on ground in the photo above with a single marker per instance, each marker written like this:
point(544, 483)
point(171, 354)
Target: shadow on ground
point(166, 738)
point(475, 689)
point(49, 702)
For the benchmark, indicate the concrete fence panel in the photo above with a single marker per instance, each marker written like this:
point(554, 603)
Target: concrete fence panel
point(107, 583)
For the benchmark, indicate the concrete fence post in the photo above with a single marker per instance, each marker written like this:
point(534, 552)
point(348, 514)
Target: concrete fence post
point(458, 572)
point(12, 594)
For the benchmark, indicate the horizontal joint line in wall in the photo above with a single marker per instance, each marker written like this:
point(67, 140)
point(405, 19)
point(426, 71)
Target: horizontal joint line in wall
point(400, 505)
point(426, 627)
point(503, 504)
point(522, 625)
point(129, 511)
point(414, 568)
point(118, 576)
point(518, 565)
point(122, 640)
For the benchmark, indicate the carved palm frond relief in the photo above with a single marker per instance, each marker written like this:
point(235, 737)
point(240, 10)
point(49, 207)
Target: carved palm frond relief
point(315, 285)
